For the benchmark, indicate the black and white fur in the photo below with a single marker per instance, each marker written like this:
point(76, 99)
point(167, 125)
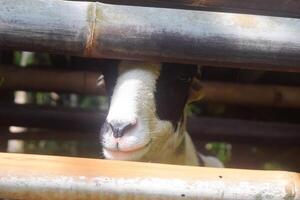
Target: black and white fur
point(146, 119)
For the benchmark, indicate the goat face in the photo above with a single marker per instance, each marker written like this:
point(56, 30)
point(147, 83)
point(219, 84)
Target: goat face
point(146, 114)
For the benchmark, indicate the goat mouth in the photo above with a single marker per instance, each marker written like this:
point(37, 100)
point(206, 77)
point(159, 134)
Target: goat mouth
point(132, 154)
point(129, 150)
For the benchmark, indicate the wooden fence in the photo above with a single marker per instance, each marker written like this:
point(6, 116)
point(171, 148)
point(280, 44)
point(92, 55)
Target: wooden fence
point(34, 177)
point(85, 82)
point(158, 33)
point(84, 124)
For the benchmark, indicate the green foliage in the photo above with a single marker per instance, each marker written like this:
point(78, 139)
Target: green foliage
point(221, 150)
point(2, 79)
point(283, 159)
point(52, 147)
point(27, 59)
point(17, 58)
point(93, 101)
point(272, 166)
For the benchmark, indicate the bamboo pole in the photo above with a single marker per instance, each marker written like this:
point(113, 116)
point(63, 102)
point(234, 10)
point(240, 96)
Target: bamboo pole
point(238, 130)
point(85, 82)
point(283, 8)
point(47, 134)
point(155, 34)
point(33, 177)
point(85, 124)
point(251, 94)
point(52, 80)
point(56, 118)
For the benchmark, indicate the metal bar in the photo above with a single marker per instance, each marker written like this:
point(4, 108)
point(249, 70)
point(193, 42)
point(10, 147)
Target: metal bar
point(155, 34)
point(84, 82)
point(47, 177)
point(283, 8)
point(85, 124)
point(5, 97)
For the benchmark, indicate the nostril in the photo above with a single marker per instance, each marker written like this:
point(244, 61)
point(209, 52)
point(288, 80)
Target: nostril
point(120, 128)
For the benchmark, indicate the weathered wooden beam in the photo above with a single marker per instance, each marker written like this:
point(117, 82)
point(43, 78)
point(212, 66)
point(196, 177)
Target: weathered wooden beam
point(283, 8)
point(155, 34)
point(86, 124)
point(48, 177)
point(85, 82)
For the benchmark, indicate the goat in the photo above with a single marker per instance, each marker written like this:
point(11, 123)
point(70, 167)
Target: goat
point(146, 120)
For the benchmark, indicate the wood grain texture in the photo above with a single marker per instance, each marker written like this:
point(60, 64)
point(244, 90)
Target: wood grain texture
point(47, 177)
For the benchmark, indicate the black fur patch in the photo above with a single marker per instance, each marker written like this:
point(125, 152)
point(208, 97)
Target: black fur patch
point(172, 89)
point(109, 69)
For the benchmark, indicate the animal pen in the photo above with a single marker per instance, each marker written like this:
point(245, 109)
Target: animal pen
point(249, 35)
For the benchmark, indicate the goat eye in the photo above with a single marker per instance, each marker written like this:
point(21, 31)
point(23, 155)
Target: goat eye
point(184, 78)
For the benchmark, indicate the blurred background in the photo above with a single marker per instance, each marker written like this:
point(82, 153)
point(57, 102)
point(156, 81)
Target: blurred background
point(37, 117)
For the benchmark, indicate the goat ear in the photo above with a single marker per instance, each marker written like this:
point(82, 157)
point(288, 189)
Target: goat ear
point(196, 90)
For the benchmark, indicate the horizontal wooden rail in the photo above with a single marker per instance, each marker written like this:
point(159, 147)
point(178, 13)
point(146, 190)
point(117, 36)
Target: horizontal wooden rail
point(251, 94)
point(156, 34)
point(45, 79)
point(56, 118)
point(47, 134)
point(85, 82)
point(284, 8)
point(237, 130)
point(33, 177)
point(84, 124)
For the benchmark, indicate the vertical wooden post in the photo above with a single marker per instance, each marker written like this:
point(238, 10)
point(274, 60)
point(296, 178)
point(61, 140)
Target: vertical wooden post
point(6, 58)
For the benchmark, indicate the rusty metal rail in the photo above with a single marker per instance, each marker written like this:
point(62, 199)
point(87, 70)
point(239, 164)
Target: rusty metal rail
point(33, 177)
point(85, 82)
point(143, 33)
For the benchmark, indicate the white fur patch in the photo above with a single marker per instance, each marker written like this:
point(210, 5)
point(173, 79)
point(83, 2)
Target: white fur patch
point(132, 102)
point(151, 139)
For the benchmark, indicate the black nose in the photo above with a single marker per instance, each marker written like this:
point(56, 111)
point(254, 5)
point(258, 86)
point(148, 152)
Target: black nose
point(120, 128)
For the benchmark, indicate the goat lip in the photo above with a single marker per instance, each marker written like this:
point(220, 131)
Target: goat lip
point(129, 151)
